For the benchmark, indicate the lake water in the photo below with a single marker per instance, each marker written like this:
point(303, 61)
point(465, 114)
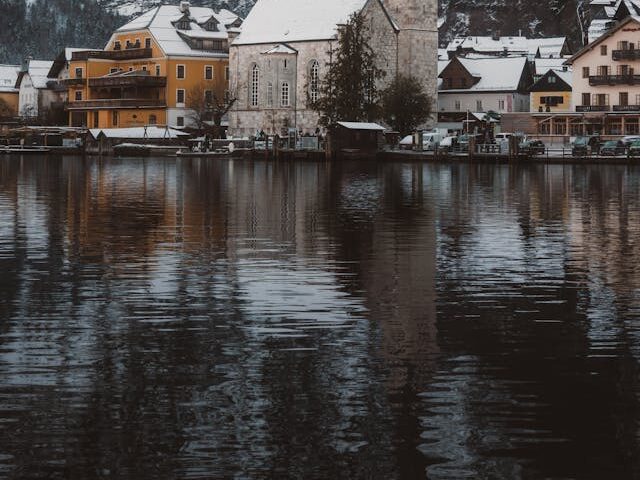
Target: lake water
point(168, 318)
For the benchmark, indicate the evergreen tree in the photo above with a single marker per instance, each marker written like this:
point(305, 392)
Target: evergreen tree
point(405, 105)
point(349, 91)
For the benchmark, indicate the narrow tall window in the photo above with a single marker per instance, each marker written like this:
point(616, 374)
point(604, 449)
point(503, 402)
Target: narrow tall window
point(79, 72)
point(603, 49)
point(255, 85)
point(284, 99)
point(208, 72)
point(314, 80)
point(180, 95)
point(270, 94)
point(157, 70)
point(180, 72)
point(585, 72)
point(147, 42)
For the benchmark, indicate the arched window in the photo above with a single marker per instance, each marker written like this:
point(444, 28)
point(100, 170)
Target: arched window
point(284, 98)
point(255, 85)
point(314, 81)
point(270, 94)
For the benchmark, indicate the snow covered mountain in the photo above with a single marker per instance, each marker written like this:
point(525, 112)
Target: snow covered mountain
point(41, 28)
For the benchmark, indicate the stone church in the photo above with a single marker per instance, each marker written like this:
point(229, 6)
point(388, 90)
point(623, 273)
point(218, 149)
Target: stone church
point(277, 62)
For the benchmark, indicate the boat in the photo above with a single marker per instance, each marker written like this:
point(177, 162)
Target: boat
point(24, 150)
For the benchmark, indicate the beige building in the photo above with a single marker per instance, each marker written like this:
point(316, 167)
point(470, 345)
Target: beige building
point(278, 61)
point(606, 80)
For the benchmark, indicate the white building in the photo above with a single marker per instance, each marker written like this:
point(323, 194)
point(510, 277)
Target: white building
point(603, 14)
point(498, 84)
point(35, 96)
point(278, 61)
point(553, 47)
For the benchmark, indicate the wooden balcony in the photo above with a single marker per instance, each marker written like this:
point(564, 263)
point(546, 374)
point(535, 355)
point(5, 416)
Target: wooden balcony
point(593, 108)
point(626, 108)
point(596, 80)
point(73, 82)
point(626, 54)
point(128, 81)
point(128, 54)
point(117, 103)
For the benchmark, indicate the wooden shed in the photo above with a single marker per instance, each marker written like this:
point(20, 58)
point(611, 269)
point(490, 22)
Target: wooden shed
point(356, 139)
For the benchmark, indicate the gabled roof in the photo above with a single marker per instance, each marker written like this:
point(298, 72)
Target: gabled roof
point(286, 21)
point(160, 22)
point(38, 71)
point(8, 77)
point(563, 85)
point(608, 34)
point(62, 59)
point(494, 73)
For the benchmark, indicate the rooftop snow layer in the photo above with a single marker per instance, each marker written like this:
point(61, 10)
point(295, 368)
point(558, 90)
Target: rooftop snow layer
point(138, 132)
point(39, 72)
point(496, 74)
point(361, 126)
point(286, 21)
point(8, 77)
point(160, 22)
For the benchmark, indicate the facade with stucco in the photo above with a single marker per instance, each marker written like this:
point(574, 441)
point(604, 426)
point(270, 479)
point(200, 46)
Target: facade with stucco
point(275, 79)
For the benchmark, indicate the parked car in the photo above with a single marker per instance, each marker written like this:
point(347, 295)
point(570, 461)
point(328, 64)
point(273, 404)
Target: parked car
point(583, 146)
point(634, 149)
point(613, 148)
point(629, 139)
point(463, 141)
point(503, 136)
point(533, 147)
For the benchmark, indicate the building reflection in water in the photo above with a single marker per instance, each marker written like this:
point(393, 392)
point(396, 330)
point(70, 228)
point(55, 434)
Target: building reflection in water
point(202, 319)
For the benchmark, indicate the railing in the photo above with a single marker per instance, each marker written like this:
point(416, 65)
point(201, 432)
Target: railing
point(626, 108)
point(117, 103)
point(73, 82)
point(129, 54)
point(593, 108)
point(128, 81)
point(626, 54)
point(595, 80)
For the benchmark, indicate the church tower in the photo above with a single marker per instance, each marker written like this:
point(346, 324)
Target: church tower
point(417, 41)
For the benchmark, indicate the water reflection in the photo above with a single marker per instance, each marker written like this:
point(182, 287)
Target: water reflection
point(225, 319)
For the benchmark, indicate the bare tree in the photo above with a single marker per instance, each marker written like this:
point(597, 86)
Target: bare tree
point(207, 110)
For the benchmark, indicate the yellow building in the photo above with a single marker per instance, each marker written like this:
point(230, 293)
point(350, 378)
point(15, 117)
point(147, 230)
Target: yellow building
point(552, 92)
point(9, 94)
point(163, 67)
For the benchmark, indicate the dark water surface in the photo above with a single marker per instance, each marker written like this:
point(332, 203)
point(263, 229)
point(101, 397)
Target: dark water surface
point(224, 319)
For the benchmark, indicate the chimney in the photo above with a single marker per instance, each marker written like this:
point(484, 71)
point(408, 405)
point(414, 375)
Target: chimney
point(184, 7)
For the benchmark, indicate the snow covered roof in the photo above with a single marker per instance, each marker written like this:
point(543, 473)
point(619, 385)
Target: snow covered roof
point(285, 21)
point(161, 23)
point(281, 48)
point(543, 65)
point(137, 132)
point(590, 46)
point(548, 47)
point(38, 71)
point(8, 77)
point(495, 73)
point(361, 126)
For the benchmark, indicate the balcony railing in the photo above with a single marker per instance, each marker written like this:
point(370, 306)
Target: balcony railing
point(129, 54)
point(626, 54)
point(117, 103)
point(73, 82)
point(593, 108)
point(128, 81)
point(626, 108)
point(614, 80)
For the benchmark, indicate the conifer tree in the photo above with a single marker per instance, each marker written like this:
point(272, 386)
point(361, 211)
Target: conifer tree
point(349, 91)
point(405, 104)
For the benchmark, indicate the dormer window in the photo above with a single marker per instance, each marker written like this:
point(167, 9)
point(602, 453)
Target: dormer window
point(211, 26)
point(184, 23)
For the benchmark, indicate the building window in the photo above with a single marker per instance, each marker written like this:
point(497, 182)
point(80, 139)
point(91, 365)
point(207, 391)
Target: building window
point(180, 95)
point(585, 72)
point(284, 97)
point(314, 81)
point(128, 44)
point(457, 105)
point(113, 70)
point(147, 42)
point(624, 98)
point(117, 45)
point(601, 99)
point(603, 70)
point(500, 104)
point(78, 95)
point(208, 72)
point(114, 118)
point(586, 99)
point(255, 85)
point(180, 121)
point(270, 94)
point(552, 79)
point(180, 72)
point(153, 119)
point(226, 73)
point(131, 69)
point(478, 105)
point(157, 70)
point(79, 72)
point(144, 68)
point(603, 49)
